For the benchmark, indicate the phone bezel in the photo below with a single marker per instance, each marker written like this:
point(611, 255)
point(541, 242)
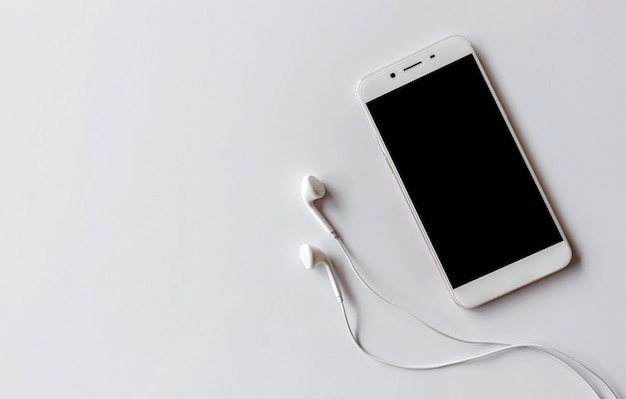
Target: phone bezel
point(512, 276)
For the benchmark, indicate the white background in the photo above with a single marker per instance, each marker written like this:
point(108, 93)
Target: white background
point(151, 154)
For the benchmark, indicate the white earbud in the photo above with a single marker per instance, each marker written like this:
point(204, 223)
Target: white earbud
point(312, 190)
point(312, 256)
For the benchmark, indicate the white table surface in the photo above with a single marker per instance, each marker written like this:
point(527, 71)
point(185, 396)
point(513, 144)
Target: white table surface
point(151, 155)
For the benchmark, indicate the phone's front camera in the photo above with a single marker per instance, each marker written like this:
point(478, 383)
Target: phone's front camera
point(393, 75)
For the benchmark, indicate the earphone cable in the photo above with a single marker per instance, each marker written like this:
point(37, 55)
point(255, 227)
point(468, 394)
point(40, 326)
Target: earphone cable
point(539, 348)
point(553, 353)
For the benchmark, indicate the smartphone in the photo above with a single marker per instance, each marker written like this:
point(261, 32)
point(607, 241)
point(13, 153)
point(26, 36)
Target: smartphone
point(469, 185)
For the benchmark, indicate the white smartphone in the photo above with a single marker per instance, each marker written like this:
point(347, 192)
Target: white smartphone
point(466, 179)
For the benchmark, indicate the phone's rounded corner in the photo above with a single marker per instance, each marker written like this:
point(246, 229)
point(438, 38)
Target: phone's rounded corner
point(460, 303)
point(564, 255)
point(460, 37)
point(462, 40)
point(463, 301)
point(359, 87)
point(366, 88)
point(469, 302)
point(568, 255)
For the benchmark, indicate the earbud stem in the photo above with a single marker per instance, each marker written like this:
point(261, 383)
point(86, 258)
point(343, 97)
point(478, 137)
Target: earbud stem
point(327, 226)
point(333, 283)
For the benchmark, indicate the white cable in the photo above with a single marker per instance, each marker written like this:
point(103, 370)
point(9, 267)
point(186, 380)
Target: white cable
point(502, 347)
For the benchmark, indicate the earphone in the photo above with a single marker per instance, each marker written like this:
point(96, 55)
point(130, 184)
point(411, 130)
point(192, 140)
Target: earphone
point(312, 256)
point(312, 190)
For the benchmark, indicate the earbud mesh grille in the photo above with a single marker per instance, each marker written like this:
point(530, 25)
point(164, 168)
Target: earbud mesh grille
point(304, 255)
point(317, 185)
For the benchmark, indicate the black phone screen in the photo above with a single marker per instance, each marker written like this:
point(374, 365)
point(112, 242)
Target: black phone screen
point(463, 171)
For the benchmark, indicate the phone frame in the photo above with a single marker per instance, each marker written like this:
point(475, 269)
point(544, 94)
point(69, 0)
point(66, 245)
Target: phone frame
point(508, 278)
